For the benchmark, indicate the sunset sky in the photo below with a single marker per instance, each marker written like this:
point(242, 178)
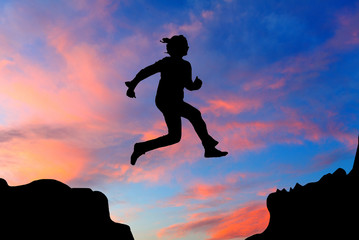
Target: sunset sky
point(280, 92)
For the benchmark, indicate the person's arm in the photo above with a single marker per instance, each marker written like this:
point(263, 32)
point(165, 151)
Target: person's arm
point(189, 84)
point(141, 75)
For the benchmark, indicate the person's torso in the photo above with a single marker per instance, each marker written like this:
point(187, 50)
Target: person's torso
point(173, 75)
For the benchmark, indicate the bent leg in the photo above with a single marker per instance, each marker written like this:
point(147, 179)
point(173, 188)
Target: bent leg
point(173, 121)
point(194, 116)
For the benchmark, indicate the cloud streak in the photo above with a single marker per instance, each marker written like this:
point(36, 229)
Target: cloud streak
point(240, 222)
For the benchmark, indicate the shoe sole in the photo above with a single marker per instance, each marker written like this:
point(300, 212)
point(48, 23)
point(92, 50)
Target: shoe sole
point(216, 156)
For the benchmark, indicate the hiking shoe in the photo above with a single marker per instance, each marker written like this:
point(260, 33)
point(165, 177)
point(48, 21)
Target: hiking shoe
point(214, 152)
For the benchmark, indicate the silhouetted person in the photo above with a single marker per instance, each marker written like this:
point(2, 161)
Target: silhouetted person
point(176, 74)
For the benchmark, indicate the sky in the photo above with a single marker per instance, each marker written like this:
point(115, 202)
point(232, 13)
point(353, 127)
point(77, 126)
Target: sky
point(280, 94)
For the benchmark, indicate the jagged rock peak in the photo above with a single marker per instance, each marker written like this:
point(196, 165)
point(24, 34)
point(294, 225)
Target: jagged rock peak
point(326, 209)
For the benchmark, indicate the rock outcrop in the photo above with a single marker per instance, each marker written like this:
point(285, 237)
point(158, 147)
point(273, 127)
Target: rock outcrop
point(327, 209)
point(49, 209)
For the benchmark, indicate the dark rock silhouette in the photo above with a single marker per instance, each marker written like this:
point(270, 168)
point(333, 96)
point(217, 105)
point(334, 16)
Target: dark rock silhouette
point(49, 209)
point(327, 209)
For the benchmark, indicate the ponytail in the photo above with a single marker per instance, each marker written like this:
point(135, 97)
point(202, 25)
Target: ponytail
point(165, 40)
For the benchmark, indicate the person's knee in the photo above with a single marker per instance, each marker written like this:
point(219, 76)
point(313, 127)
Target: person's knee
point(174, 137)
point(195, 114)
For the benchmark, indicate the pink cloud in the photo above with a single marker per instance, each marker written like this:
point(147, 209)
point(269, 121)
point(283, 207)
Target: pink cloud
point(154, 175)
point(347, 34)
point(98, 10)
point(231, 105)
point(266, 192)
point(245, 136)
point(241, 222)
point(279, 84)
point(207, 14)
point(233, 178)
point(199, 191)
point(148, 170)
point(191, 29)
point(292, 127)
point(24, 160)
point(4, 63)
point(73, 87)
point(75, 91)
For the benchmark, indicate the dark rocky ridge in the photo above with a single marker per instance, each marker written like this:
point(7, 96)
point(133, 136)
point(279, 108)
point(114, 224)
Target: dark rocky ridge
point(327, 209)
point(49, 209)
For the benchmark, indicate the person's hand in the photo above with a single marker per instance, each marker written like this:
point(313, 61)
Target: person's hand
point(130, 91)
point(197, 84)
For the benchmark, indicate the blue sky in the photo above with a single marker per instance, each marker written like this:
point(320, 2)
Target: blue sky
point(279, 92)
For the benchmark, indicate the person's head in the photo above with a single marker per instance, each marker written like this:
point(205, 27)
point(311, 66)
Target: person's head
point(177, 46)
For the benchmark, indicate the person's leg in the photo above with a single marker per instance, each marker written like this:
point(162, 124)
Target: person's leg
point(173, 136)
point(173, 121)
point(195, 117)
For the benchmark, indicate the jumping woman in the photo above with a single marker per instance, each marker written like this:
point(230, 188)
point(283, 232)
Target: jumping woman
point(176, 74)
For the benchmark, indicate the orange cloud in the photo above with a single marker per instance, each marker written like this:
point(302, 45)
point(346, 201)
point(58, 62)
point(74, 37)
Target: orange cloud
point(148, 172)
point(232, 105)
point(240, 222)
point(198, 191)
point(25, 160)
point(75, 93)
point(258, 134)
point(154, 175)
point(266, 192)
point(66, 83)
